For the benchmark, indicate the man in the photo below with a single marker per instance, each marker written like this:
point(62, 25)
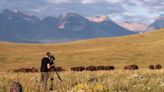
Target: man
point(45, 66)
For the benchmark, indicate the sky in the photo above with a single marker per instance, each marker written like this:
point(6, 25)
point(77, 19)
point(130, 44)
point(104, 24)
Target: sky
point(140, 11)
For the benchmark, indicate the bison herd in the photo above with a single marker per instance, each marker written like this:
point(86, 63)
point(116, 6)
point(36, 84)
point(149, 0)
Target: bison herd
point(90, 68)
point(27, 70)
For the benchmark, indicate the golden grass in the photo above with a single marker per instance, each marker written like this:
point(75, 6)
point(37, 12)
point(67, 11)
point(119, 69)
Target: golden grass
point(101, 81)
point(142, 49)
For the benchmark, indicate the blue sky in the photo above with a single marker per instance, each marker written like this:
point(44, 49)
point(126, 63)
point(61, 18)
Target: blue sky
point(142, 11)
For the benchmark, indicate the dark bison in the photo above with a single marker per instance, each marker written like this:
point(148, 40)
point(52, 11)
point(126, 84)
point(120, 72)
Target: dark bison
point(100, 68)
point(131, 67)
point(152, 67)
point(109, 68)
point(91, 68)
point(26, 70)
point(81, 68)
point(158, 66)
point(58, 69)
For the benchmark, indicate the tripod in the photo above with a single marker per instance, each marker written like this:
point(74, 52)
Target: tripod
point(52, 70)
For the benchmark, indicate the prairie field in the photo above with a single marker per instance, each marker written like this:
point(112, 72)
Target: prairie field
point(99, 81)
point(141, 49)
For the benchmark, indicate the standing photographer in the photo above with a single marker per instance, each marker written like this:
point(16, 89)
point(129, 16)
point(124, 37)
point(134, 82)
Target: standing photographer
point(44, 69)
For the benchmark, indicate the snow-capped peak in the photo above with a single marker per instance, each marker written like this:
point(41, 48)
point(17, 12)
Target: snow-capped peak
point(98, 19)
point(15, 11)
point(136, 27)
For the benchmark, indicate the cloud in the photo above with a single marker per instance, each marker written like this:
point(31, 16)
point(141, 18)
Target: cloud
point(87, 1)
point(153, 5)
point(59, 1)
point(115, 1)
point(118, 10)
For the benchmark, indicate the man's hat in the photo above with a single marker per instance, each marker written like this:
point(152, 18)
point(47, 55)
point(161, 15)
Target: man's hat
point(48, 53)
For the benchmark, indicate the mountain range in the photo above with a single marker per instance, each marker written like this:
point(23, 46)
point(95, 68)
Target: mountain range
point(140, 27)
point(158, 23)
point(16, 26)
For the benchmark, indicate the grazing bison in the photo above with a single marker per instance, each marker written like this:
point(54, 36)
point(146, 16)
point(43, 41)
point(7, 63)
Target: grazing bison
point(58, 69)
point(109, 68)
point(131, 67)
point(26, 70)
point(91, 68)
point(158, 66)
point(151, 67)
point(100, 68)
point(81, 68)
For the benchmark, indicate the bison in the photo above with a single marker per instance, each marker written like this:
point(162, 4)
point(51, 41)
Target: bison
point(131, 67)
point(158, 66)
point(91, 68)
point(26, 70)
point(109, 68)
point(58, 69)
point(81, 68)
point(153, 67)
point(100, 68)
